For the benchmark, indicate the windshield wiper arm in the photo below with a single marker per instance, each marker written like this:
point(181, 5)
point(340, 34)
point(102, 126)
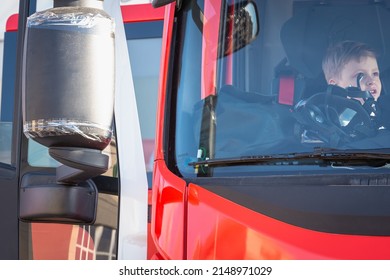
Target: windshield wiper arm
point(320, 156)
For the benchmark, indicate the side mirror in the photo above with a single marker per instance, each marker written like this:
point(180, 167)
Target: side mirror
point(238, 27)
point(241, 25)
point(68, 106)
point(42, 199)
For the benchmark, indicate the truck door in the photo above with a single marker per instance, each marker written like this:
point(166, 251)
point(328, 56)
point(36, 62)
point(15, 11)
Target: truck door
point(8, 147)
point(22, 159)
point(144, 27)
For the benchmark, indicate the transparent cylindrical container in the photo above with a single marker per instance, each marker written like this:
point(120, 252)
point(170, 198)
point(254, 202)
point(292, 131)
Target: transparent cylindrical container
point(69, 75)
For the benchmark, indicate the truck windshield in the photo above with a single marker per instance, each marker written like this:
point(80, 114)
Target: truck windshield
point(251, 85)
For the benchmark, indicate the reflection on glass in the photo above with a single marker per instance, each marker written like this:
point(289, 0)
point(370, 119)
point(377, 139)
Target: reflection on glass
point(145, 62)
point(38, 155)
point(5, 142)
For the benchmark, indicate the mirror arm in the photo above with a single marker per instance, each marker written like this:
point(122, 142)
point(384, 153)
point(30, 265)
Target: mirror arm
point(79, 164)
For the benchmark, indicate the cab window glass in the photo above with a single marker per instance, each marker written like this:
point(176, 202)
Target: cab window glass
point(252, 96)
point(5, 142)
point(7, 95)
point(144, 45)
point(145, 62)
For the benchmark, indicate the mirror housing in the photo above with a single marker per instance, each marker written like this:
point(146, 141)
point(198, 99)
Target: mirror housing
point(242, 23)
point(68, 86)
point(42, 199)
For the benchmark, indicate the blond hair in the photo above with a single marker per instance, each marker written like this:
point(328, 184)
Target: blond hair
point(337, 56)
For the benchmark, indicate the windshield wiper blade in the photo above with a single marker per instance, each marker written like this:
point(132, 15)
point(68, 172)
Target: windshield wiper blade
point(320, 156)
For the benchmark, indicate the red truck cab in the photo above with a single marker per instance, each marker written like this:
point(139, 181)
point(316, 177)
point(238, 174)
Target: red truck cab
point(256, 156)
point(143, 28)
point(246, 166)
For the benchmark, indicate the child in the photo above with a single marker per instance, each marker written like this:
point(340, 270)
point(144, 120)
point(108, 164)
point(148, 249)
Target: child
point(351, 66)
point(347, 62)
point(354, 64)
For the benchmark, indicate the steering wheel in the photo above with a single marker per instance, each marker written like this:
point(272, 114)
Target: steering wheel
point(335, 119)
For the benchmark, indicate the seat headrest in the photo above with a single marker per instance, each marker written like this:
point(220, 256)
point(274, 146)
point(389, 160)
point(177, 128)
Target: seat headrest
point(313, 27)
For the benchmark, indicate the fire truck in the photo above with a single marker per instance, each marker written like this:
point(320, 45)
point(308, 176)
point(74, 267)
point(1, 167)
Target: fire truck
point(255, 157)
point(143, 30)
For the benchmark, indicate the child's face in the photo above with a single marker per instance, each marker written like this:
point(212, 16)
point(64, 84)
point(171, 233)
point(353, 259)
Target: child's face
point(368, 66)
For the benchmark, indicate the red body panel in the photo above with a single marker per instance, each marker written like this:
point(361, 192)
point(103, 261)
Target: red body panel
point(162, 85)
point(221, 229)
point(140, 13)
point(168, 198)
point(12, 23)
point(168, 216)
